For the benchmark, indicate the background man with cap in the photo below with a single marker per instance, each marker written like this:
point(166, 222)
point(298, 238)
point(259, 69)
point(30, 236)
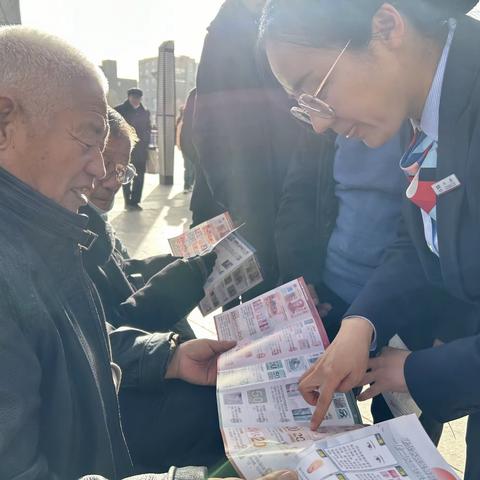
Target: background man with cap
point(139, 118)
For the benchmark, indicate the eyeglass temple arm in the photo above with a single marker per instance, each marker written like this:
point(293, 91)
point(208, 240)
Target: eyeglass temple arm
point(324, 81)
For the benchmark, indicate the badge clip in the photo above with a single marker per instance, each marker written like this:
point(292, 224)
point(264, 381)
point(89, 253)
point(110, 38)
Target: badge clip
point(446, 185)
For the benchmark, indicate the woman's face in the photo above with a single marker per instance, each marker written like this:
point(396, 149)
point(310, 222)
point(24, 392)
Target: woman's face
point(367, 88)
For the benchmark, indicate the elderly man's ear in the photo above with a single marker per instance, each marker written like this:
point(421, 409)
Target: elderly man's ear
point(8, 112)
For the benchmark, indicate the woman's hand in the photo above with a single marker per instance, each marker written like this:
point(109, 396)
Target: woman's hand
point(339, 369)
point(385, 373)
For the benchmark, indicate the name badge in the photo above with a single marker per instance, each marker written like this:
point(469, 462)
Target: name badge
point(446, 185)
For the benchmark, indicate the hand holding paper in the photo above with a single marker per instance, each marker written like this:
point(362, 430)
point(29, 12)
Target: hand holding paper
point(339, 369)
point(196, 361)
point(236, 270)
point(385, 373)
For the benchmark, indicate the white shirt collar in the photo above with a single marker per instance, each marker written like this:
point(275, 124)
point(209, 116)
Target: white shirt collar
point(431, 111)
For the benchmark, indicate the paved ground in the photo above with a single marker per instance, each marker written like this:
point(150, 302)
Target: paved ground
point(166, 214)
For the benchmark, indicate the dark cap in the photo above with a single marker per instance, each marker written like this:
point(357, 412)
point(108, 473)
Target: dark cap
point(136, 92)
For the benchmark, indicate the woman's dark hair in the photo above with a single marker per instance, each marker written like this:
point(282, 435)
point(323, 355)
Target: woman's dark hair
point(332, 23)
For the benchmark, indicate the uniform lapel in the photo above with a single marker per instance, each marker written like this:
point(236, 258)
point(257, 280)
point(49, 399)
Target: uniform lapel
point(462, 72)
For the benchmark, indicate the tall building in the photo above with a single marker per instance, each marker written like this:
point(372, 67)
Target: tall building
point(185, 79)
point(147, 82)
point(118, 87)
point(10, 12)
point(166, 111)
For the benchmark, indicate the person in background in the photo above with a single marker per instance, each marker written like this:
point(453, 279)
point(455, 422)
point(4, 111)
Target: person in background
point(339, 212)
point(202, 204)
point(242, 131)
point(363, 74)
point(133, 111)
point(188, 165)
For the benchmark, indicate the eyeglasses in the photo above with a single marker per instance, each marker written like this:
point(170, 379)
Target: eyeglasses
point(311, 103)
point(124, 173)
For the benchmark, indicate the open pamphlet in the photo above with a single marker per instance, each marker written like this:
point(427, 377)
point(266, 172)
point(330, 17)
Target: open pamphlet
point(236, 270)
point(263, 417)
point(264, 421)
point(398, 449)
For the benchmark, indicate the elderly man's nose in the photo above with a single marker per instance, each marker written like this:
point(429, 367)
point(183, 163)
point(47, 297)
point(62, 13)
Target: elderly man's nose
point(96, 165)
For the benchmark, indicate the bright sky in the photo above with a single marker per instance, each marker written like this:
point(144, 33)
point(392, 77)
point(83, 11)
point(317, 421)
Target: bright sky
point(124, 30)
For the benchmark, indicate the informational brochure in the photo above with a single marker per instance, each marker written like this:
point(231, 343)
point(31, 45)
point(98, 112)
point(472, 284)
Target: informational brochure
point(203, 238)
point(264, 420)
point(395, 450)
point(236, 270)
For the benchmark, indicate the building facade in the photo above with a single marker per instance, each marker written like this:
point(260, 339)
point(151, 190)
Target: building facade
point(10, 12)
point(147, 82)
point(185, 79)
point(118, 87)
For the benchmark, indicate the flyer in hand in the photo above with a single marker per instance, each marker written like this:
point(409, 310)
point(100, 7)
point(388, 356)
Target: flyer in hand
point(263, 418)
point(264, 421)
point(236, 270)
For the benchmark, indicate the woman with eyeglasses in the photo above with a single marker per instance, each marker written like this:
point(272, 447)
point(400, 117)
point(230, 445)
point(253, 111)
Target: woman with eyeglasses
point(360, 68)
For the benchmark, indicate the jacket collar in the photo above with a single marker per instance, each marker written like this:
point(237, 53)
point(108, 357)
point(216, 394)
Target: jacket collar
point(128, 105)
point(104, 246)
point(431, 111)
point(461, 74)
point(39, 212)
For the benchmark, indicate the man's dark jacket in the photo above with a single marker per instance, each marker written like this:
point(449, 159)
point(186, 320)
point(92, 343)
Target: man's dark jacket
point(243, 132)
point(59, 416)
point(308, 210)
point(202, 204)
point(444, 380)
point(139, 119)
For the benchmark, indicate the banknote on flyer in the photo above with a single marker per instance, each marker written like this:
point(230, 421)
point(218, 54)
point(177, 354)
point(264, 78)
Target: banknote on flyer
point(202, 238)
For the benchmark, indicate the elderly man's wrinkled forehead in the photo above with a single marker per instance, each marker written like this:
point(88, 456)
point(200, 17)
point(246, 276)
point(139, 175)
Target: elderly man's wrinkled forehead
point(87, 111)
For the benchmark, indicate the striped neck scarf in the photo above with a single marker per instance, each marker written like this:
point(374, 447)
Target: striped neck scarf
point(420, 165)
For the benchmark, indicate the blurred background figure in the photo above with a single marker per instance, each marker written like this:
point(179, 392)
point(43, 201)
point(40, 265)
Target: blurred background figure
point(188, 162)
point(133, 111)
point(202, 204)
point(243, 132)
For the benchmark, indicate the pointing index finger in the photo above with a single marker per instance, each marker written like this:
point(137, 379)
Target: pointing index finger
point(325, 396)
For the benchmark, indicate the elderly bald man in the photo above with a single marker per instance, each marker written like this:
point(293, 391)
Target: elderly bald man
point(59, 416)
